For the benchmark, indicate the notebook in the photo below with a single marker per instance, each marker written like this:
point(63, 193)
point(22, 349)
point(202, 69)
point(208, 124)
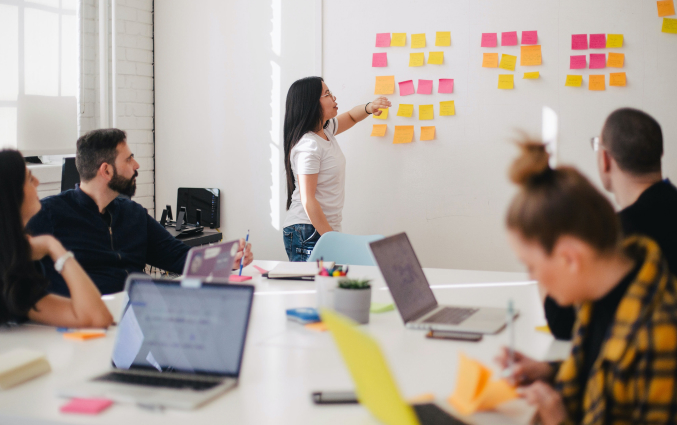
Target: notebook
point(297, 270)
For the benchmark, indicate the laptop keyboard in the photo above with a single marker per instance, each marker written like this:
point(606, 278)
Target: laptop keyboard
point(157, 381)
point(451, 315)
point(432, 414)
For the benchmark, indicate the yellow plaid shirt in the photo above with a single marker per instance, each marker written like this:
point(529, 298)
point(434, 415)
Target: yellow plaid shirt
point(634, 379)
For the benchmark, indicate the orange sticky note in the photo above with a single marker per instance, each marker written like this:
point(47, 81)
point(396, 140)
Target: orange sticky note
point(530, 55)
point(83, 335)
point(574, 81)
point(669, 26)
point(615, 60)
point(506, 81)
point(319, 326)
point(379, 130)
point(428, 133)
point(614, 40)
point(385, 85)
point(490, 60)
point(403, 134)
point(617, 79)
point(665, 8)
point(597, 82)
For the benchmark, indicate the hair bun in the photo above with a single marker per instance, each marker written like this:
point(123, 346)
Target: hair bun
point(531, 164)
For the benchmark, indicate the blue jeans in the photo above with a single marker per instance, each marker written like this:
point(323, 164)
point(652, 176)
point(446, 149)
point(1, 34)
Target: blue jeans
point(299, 241)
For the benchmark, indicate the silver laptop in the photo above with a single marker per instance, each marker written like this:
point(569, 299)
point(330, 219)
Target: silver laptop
point(179, 344)
point(211, 261)
point(415, 300)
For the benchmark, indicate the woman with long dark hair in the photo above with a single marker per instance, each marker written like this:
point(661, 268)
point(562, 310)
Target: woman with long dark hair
point(314, 163)
point(23, 288)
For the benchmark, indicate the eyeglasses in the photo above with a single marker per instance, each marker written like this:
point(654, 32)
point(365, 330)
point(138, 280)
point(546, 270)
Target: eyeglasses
point(330, 94)
point(594, 142)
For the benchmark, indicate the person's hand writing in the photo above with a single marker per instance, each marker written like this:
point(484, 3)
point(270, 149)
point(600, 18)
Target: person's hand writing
point(378, 104)
point(246, 251)
point(549, 404)
point(525, 370)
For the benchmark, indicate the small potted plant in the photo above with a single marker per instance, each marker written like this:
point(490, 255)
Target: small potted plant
point(352, 298)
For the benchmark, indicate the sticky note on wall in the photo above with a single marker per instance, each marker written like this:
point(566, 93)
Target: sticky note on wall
point(597, 41)
point(578, 62)
point(506, 81)
point(436, 58)
point(615, 60)
point(596, 83)
point(379, 130)
point(447, 108)
point(446, 85)
point(579, 41)
point(531, 75)
point(614, 40)
point(425, 87)
point(669, 26)
point(383, 116)
point(379, 60)
point(427, 133)
point(489, 39)
point(399, 39)
point(383, 39)
point(418, 41)
point(406, 87)
point(665, 8)
point(425, 112)
point(404, 110)
point(529, 37)
point(508, 62)
point(574, 81)
point(617, 79)
point(530, 55)
point(490, 60)
point(385, 85)
point(403, 134)
point(509, 38)
point(597, 60)
point(443, 38)
point(416, 59)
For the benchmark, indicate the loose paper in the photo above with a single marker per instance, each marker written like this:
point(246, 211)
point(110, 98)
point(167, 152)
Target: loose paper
point(425, 87)
point(614, 40)
point(529, 37)
point(427, 133)
point(446, 85)
point(385, 85)
point(447, 108)
point(383, 39)
point(509, 38)
point(617, 79)
point(403, 134)
point(405, 110)
point(406, 88)
point(574, 80)
point(383, 116)
point(489, 39)
point(425, 112)
point(399, 39)
point(490, 60)
point(597, 41)
point(379, 130)
point(665, 8)
point(443, 38)
point(615, 60)
point(506, 81)
point(669, 26)
point(379, 60)
point(436, 58)
point(416, 59)
point(418, 41)
point(578, 62)
point(579, 41)
point(531, 75)
point(597, 60)
point(508, 62)
point(596, 82)
point(531, 55)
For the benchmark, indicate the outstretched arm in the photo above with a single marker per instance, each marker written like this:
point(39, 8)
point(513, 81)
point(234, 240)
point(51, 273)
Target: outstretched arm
point(348, 119)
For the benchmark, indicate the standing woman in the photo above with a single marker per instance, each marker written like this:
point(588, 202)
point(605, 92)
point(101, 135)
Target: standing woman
point(314, 163)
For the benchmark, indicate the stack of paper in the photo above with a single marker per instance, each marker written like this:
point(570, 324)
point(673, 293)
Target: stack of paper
point(20, 365)
point(291, 270)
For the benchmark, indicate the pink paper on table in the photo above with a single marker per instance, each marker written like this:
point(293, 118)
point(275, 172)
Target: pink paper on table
point(379, 60)
point(489, 39)
point(509, 38)
point(529, 37)
point(383, 39)
point(88, 406)
point(597, 60)
point(406, 88)
point(578, 62)
point(579, 41)
point(425, 87)
point(446, 85)
point(237, 279)
point(260, 269)
point(598, 41)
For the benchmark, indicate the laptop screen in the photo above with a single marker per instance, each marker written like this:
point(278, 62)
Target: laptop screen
point(212, 260)
point(172, 328)
point(403, 273)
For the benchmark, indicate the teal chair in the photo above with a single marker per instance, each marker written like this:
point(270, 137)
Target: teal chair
point(345, 249)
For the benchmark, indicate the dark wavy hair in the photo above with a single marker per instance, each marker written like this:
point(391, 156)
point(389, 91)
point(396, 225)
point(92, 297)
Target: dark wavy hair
point(20, 282)
point(303, 114)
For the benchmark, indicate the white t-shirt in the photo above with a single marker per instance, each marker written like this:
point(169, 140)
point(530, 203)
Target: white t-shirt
point(314, 155)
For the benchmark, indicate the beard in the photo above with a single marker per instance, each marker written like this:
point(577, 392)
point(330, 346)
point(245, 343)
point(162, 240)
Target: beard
point(122, 185)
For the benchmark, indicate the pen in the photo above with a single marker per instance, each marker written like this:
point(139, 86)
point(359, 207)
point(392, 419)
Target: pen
point(243, 251)
point(511, 329)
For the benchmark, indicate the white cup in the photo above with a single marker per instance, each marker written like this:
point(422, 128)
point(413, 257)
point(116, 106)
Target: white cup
point(325, 287)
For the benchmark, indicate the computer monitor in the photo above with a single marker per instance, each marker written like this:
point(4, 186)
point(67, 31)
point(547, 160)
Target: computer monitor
point(69, 174)
point(208, 200)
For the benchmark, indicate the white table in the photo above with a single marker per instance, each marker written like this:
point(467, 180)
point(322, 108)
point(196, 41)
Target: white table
point(285, 362)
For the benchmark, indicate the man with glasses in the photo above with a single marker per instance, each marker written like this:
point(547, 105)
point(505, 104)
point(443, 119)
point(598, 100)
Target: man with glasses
point(629, 153)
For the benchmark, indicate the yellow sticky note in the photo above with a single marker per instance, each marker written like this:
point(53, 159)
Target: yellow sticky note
point(398, 39)
point(447, 108)
point(617, 79)
point(530, 55)
point(506, 81)
point(490, 60)
point(436, 58)
point(416, 59)
point(384, 114)
point(574, 80)
point(508, 62)
point(596, 82)
point(403, 134)
point(614, 40)
point(531, 75)
point(669, 26)
point(425, 112)
point(443, 38)
point(405, 110)
point(543, 328)
point(385, 85)
point(665, 8)
point(615, 60)
point(427, 133)
point(417, 41)
point(379, 130)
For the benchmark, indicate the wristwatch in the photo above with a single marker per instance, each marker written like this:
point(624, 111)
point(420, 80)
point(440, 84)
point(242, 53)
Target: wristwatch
point(59, 263)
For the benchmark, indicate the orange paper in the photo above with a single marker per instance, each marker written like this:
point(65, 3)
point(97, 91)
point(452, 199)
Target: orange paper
point(403, 134)
point(596, 82)
point(385, 85)
point(428, 133)
point(490, 60)
point(617, 79)
point(319, 326)
point(379, 130)
point(665, 8)
point(83, 336)
point(531, 55)
point(615, 60)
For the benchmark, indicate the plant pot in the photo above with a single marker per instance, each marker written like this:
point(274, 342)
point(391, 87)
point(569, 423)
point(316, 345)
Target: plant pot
point(353, 303)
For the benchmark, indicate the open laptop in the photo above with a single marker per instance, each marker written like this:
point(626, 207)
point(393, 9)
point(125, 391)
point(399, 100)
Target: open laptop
point(211, 261)
point(375, 386)
point(179, 344)
point(415, 300)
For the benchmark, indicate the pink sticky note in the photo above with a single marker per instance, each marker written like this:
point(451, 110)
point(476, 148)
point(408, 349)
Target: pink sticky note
point(598, 41)
point(578, 62)
point(529, 37)
point(237, 279)
point(425, 87)
point(509, 38)
point(579, 41)
point(260, 269)
point(379, 60)
point(489, 39)
point(383, 39)
point(597, 60)
point(88, 406)
point(446, 85)
point(406, 88)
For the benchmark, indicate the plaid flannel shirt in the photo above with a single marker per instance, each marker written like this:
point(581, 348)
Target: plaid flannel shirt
point(634, 379)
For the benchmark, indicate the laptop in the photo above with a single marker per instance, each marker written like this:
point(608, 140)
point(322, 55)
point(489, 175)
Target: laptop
point(415, 300)
point(375, 386)
point(211, 261)
point(179, 344)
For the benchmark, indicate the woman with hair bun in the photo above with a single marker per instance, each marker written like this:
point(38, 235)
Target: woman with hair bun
point(623, 364)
